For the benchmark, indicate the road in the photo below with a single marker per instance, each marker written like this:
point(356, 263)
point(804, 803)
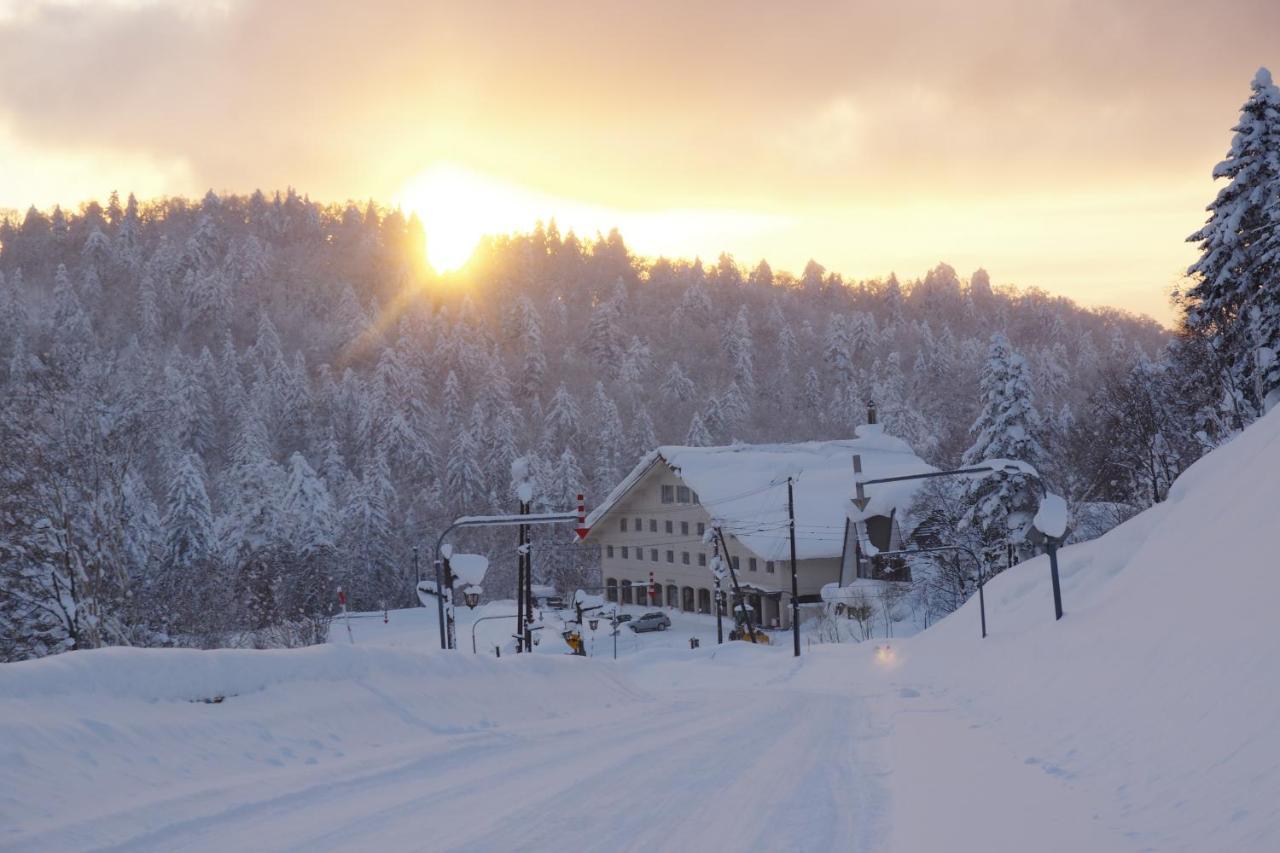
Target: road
point(726, 769)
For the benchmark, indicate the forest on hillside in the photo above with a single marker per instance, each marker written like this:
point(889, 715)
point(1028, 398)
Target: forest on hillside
point(217, 412)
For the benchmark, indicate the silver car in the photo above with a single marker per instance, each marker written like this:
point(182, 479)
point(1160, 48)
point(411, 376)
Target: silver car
point(655, 621)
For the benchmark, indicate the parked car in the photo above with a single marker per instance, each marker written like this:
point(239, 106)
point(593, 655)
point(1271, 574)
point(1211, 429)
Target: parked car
point(624, 617)
point(655, 621)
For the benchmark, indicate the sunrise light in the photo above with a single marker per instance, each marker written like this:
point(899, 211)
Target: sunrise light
point(459, 206)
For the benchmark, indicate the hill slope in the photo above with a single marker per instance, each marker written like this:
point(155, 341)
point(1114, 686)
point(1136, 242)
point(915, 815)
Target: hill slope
point(1144, 720)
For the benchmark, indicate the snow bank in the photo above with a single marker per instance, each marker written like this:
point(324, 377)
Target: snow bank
point(99, 747)
point(1157, 692)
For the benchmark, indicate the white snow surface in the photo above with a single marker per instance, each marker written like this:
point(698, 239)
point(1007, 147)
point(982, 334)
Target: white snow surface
point(1148, 719)
point(469, 568)
point(746, 486)
point(1052, 516)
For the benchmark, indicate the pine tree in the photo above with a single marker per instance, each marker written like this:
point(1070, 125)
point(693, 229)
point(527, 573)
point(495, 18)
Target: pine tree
point(188, 522)
point(1233, 302)
point(643, 438)
point(698, 435)
point(308, 509)
point(562, 420)
point(1006, 428)
point(464, 481)
point(609, 441)
point(676, 386)
point(738, 344)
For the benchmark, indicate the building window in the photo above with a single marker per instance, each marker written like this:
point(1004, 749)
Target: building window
point(622, 522)
point(669, 527)
point(736, 567)
point(608, 551)
point(769, 567)
point(751, 563)
point(693, 497)
point(626, 592)
point(653, 554)
point(653, 525)
point(611, 589)
point(702, 528)
point(639, 528)
point(671, 556)
point(702, 559)
point(684, 557)
point(668, 494)
point(682, 494)
point(684, 528)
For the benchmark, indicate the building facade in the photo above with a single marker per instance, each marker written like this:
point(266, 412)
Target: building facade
point(652, 528)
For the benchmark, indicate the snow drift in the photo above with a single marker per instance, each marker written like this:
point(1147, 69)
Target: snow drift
point(1157, 693)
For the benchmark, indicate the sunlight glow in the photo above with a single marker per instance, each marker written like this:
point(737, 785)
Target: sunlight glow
point(459, 206)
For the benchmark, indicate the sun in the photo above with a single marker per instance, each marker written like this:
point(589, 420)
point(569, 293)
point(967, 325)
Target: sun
point(458, 207)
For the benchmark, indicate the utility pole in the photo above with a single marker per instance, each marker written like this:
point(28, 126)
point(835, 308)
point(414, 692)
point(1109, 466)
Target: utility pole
point(520, 549)
point(795, 584)
point(737, 590)
point(444, 637)
point(416, 570)
point(715, 555)
point(447, 599)
point(527, 591)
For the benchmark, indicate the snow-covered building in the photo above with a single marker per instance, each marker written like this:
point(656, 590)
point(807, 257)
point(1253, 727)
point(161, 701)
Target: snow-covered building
point(652, 525)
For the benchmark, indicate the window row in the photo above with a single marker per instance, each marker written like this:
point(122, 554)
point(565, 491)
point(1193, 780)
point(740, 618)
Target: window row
point(685, 598)
point(753, 565)
point(627, 551)
point(679, 495)
point(637, 524)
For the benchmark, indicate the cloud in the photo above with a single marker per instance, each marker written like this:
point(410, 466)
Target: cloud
point(787, 110)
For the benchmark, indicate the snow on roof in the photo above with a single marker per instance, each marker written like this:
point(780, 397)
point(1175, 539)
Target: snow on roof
point(744, 486)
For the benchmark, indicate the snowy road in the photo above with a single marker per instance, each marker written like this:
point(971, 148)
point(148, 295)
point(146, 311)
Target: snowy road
point(698, 769)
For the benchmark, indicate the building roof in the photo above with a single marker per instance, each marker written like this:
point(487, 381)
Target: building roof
point(744, 486)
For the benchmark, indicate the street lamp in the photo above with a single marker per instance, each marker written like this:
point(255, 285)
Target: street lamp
point(593, 623)
point(471, 596)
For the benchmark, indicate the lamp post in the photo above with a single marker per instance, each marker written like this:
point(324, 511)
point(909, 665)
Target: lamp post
point(444, 575)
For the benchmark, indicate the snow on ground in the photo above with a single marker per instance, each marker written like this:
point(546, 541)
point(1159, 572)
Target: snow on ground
point(1148, 719)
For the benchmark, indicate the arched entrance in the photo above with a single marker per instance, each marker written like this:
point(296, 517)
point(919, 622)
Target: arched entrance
point(704, 601)
point(686, 602)
point(673, 596)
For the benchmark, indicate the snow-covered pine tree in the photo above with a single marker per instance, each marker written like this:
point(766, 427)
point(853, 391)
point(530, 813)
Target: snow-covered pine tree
point(562, 420)
point(188, 521)
point(643, 438)
point(464, 482)
point(1234, 300)
point(676, 386)
point(738, 345)
point(308, 508)
point(1007, 427)
point(698, 435)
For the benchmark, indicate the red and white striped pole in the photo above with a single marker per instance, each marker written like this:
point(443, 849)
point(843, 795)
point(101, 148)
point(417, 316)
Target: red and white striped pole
point(652, 590)
point(342, 600)
point(582, 530)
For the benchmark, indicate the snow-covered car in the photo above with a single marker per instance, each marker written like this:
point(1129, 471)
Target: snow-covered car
point(655, 621)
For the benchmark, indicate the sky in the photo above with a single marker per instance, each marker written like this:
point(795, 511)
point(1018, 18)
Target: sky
point(1062, 144)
